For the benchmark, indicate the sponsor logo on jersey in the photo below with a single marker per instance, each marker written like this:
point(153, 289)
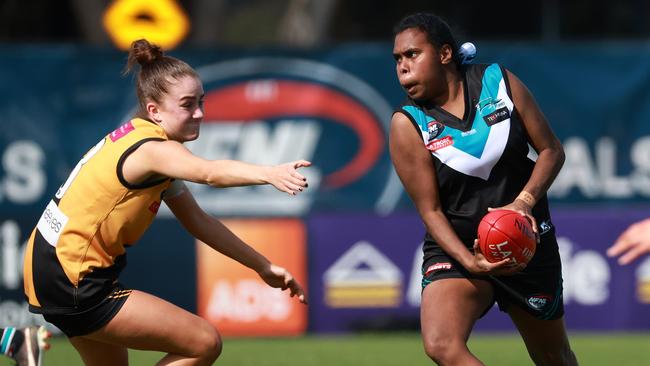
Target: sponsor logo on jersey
point(438, 267)
point(52, 223)
point(538, 302)
point(440, 143)
point(363, 277)
point(434, 128)
point(545, 227)
point(155, 205)
point(468, 133)
point(121, 131)
point(497, 116)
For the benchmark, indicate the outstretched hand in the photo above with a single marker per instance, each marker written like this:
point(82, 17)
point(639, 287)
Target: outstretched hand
point(481, 266)
point(278, 277)
point(632, 243)
point(285, 177)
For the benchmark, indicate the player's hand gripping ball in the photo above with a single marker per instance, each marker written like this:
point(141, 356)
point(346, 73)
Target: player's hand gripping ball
point(506, 234)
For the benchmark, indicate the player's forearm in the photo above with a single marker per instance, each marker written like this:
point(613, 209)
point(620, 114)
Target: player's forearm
point(444, 235)
point(232, 173)
point(242, 253)
point(220, 238)
point(547, 167)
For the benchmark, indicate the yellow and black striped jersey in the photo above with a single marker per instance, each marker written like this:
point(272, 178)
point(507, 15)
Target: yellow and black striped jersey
point(77, 250)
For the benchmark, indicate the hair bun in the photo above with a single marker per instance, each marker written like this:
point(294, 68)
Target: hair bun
point(144, 53)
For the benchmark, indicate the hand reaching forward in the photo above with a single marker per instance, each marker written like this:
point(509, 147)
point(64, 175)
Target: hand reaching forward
point(632, 243)
point(278, 277)
point(285, 177)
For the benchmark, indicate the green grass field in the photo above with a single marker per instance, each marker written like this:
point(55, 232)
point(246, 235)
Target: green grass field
point(387, 349)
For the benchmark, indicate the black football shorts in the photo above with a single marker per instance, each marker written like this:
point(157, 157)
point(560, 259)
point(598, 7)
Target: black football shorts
point(537, 289)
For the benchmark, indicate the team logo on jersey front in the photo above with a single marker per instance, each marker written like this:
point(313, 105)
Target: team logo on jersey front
point(488, 105)
point(493, 110)
point(434, 128)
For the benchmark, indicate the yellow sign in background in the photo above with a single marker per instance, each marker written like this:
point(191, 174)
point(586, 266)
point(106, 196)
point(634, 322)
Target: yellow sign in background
point(162, 22)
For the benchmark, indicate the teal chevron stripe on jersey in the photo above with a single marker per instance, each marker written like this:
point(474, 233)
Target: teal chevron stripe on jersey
point(491, 80)
point(472, 142)
point(476, 151)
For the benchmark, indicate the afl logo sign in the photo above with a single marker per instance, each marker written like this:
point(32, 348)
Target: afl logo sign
point(275, 110)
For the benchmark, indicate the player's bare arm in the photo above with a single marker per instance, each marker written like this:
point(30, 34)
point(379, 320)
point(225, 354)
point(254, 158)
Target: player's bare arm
point(213, 233)
point(153, 158)
point(546, 144)
point(415, 169)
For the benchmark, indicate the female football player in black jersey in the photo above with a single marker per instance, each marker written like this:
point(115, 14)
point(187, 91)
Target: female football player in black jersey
point(471, 138)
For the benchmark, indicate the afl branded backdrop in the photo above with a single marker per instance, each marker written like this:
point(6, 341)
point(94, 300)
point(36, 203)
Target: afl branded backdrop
point(484, 160)
point(77, 250)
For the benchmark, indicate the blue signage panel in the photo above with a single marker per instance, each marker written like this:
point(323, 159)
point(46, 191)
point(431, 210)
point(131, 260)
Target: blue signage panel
point(365, 273)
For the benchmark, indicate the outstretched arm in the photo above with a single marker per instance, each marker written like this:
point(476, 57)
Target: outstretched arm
point(172, 159)
point(212, 232)
point(632, 243)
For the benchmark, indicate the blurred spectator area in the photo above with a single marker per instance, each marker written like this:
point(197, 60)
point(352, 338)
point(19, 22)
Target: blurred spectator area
point(308, 23)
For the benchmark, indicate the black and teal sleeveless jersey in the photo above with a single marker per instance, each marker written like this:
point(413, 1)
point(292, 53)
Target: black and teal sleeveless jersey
point(483, 160)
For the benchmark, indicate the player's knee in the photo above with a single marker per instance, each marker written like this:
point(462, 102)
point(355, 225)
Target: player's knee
point(209, 344)
point(442, 350)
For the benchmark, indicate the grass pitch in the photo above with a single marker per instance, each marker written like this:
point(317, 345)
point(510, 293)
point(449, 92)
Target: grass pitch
point(379, 349)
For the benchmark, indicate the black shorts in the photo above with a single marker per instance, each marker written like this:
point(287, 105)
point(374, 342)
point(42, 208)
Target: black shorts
point(537, 289)
point(89, 320)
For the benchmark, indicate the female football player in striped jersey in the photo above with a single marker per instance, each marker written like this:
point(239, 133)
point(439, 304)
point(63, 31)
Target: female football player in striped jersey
point(77, 250)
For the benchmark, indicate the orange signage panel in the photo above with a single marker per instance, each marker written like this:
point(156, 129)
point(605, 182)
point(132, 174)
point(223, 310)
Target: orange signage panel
point(235, 299)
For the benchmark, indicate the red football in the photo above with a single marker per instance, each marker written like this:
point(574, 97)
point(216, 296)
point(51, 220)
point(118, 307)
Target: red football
point(506, 234)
